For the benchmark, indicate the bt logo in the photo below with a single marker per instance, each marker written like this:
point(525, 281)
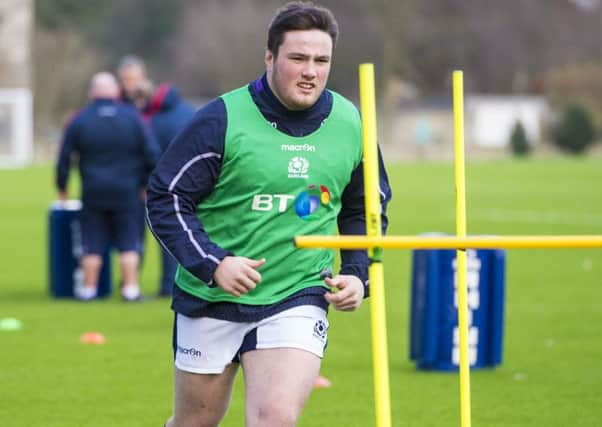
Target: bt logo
point(306, 204)
point(265, 202)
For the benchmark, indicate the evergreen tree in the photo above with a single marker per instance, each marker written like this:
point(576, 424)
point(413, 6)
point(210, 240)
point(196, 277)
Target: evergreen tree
point(518, 140)
point(575, 131)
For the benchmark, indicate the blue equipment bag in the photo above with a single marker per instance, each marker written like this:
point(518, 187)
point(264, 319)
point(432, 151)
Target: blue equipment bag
point(65, 248)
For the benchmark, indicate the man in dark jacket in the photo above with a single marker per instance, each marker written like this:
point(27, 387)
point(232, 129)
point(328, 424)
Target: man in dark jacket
point(168, 114)
point(116, 153)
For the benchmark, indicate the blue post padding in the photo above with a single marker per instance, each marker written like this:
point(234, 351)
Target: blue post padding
point(425, 302)
point(64, 250)
point(434, 336)
point(498, 296)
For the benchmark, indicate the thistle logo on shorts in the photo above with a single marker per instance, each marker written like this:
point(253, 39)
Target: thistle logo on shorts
point(189, 351)
point(308, 202)
point(320, 329)
point(298, 167)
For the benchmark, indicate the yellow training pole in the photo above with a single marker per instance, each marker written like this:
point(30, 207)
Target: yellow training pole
point(449, 242)
point(461, 284)
point(373, 228)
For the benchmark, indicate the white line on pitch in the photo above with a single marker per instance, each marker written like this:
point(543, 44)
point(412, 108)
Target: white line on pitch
point(537, 217)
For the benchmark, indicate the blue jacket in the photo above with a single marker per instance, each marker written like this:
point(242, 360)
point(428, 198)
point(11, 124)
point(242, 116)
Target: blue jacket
point(168, 114)
point(116, 153)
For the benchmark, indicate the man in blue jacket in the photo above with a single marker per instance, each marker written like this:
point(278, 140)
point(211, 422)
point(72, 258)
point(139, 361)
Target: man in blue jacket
point(168, 114)
point(116, 153)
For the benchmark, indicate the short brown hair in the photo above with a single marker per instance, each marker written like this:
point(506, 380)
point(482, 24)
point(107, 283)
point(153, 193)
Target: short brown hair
point(298, 16)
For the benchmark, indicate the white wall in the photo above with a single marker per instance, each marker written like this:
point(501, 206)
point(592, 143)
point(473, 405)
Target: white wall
point(491, 119)
point(15, 127)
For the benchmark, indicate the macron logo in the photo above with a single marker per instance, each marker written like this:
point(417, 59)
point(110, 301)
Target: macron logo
point(298, 147)
point(189, 351)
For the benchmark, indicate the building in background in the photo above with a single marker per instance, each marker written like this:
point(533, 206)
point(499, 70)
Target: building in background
point(491, 118)
point(425, 128)
point(15, 82)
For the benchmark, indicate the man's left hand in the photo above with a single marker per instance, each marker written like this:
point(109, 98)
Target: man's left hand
point(350, 294)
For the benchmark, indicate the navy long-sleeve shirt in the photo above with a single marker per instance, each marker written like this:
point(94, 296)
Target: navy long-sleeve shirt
point(198, 150)
point(116, 153)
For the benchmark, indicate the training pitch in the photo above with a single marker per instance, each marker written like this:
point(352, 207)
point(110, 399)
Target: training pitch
point(551, 374)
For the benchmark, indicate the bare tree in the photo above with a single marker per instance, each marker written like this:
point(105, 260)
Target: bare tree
point(221, 44)
point(64, 65)
point(15, 31)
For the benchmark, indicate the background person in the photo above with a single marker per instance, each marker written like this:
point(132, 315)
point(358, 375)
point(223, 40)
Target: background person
point(167, 114)
point(116, 152)
point(136, 90)
point(257, 166)
point(136, 87)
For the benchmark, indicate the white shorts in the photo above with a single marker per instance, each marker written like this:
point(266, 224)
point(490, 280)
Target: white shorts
point(206, 346)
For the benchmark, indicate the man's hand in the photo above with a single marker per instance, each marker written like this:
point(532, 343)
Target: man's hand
point(238, 275)
point(350, 294)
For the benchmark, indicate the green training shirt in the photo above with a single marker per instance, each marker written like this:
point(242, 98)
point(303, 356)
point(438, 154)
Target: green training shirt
point(273, 187)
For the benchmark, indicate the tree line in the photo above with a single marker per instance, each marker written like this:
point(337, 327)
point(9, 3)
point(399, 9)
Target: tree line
point(551, 47)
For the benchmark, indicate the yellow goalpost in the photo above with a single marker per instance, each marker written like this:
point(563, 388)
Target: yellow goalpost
point(375, 243)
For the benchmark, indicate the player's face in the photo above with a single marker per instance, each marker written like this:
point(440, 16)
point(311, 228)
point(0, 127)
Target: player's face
point(298, 75)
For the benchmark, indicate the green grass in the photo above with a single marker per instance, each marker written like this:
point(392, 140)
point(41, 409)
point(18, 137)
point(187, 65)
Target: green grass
point(551, 374)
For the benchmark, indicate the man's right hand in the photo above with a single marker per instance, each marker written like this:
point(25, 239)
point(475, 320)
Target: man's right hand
point(238, 275)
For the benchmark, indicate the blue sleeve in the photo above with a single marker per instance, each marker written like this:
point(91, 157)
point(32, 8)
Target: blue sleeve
point(352, 220)
point(63, 164)
point(184, 176)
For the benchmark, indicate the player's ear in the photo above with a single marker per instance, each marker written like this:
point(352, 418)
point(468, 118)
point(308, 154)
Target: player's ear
point(269, 60)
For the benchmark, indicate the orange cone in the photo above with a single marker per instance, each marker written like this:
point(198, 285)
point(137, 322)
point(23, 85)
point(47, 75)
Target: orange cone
point(322, 382)
point(92, 338)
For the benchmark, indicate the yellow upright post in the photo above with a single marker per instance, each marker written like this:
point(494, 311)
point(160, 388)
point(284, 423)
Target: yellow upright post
point(461, 254)
point(373, 228)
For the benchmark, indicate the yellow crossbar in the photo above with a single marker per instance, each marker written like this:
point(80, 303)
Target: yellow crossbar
point(449, 242)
